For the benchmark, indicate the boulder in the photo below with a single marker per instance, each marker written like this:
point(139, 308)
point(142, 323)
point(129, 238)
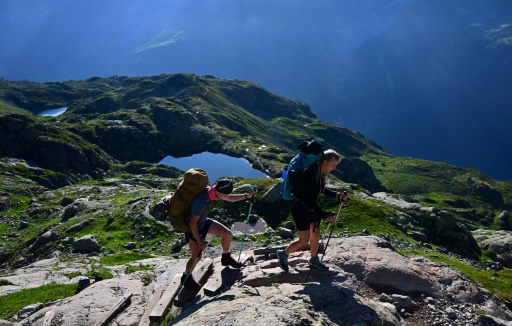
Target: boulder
point(86, 244)
point(505, 221)
point(290, 225)
point(253, 218)
point(444, 223)
point(23, 225)
point(418, 236)
point(4, 255)
point(79, 226)
point(501, 243)
point(285, 233)
point(67, 241)
point(5, 204)
point(504, 216)
point(130, 245)
point(292, 304)
point(69, 212)
point(66, 201)
point(404, 302)
point(355, 170)
point(385, 268)
point(273, 194)
point(44, 239)
point(29, 310)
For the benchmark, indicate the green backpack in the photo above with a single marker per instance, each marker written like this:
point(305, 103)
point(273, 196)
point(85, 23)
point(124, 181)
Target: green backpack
point(194, 182)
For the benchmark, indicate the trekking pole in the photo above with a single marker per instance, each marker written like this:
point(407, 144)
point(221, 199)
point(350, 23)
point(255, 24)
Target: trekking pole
point(332, 229)
point(246, 222)
point(322, 247)
point(330, 234)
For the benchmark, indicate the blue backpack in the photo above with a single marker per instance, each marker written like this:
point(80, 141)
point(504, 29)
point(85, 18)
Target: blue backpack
point(292, 178)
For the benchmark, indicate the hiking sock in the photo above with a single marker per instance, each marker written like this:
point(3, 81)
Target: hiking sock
point(227, 260)
point(282, 258)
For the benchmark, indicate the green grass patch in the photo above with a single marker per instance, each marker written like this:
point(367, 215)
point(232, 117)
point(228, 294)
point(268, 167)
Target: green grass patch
point(442, 184)
point(6, 108)
point(489, 255)
point(115, 228)
point(134, 268)
point(147, 278)
point(101, 272)
point(73, 275)
point(19, 205)
point(10, 304)
point(123, 196)
point(360, 214)
point(123, 258)
point(4, 227)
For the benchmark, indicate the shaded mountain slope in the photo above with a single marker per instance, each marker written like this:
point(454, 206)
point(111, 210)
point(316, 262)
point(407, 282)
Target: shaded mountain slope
point(181, 115)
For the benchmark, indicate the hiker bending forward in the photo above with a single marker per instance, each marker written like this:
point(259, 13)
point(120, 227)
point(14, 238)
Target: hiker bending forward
point(201, 225)
point(307, 212)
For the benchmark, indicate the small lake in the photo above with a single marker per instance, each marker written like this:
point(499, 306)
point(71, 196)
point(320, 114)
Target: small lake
point(52, 112)
point(217, 165)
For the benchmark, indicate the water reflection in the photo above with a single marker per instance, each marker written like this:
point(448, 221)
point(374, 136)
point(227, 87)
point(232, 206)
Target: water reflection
point(217, 165)
point(52, 112)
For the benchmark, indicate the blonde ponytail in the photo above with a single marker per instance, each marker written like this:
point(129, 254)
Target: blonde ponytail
point(328, 156)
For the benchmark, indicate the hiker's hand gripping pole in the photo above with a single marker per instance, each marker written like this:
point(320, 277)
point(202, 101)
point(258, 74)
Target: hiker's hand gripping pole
point(247, 221)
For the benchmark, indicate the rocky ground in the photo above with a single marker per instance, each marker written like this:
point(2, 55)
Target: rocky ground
point(368, 283)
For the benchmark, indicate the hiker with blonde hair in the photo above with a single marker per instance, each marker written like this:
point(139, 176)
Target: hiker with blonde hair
point(307, 212)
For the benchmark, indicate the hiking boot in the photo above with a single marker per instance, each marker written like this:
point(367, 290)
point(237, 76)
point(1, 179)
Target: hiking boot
point(190, 282)
point(282, 257)
point(227, 260)
point(317, 263)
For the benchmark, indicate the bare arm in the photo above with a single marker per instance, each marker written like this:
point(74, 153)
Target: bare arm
point(238, 197)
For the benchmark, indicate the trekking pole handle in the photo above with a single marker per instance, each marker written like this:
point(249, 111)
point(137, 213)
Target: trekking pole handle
point(251, 190)
point(344, 193)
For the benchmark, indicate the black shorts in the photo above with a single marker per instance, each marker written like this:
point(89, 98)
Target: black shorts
point(203, 231)
point(303, 217)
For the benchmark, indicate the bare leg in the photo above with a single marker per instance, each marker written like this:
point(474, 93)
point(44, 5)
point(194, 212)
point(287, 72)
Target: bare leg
point(314, 239)
point(223, 232)
point(300, 242)
point(194, 251)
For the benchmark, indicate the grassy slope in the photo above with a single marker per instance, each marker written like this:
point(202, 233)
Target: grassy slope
point(440, 184)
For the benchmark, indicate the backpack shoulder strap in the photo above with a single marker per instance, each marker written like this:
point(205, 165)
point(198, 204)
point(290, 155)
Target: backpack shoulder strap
point(209, 203)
